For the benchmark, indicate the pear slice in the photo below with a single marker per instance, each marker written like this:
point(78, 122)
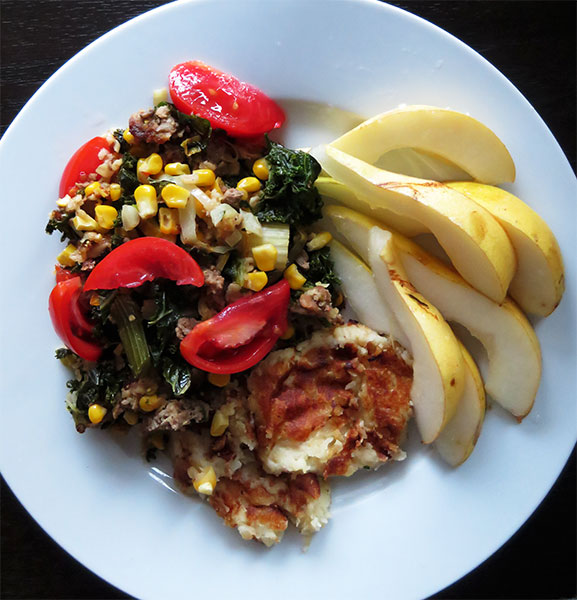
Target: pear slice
point(338, 192)
point(514, 357)
point(438, 370)
point(452, 135)
point(362, 295)
point(539, 282)
point(474, 241)
point(457, 440)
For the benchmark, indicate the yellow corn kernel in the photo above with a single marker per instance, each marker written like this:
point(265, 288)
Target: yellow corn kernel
point(287, 335)
point(93, 189)
point(260, 168)
point(145, 196)
point(115, 191)
point(64, 257)
point(128, 137)
point(168, 220)
point(130, 217)
point(219, 379)
point(150, 403)
point(157, 440)
point(159, 95)
point(96, 413)
point(177, 168)
point(105, 216)
point(320, 240)
point(265, 256)
point(175, 196)
point(130, 417)
point(255, 281)
point(219, 424)
point(294, 277)
point(150, 228)
point(340, 299)
point(205, 482)
point(151, 165)
point(84, 222)
point(94, 299)
point(249, 184)
point(204, 177)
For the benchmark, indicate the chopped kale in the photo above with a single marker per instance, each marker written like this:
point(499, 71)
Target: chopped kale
point(124, 145)
point(61, 222)
point(178, 374)
point(322, 269)
point(102, 384)
point(127, 175)
point(289, 195)
point(62, 353)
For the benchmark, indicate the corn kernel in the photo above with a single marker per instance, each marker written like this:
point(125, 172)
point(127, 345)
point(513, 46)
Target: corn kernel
point(157, 440)
point(294, 277)
point(255, 281)
point(106, 216)
point(320, 240)
point(151, 165)
point(130, 417)
point(130, 217)
point(128, 137)
point(93, 189)
point(219, 379)
point(176, 168)
point(289, 332)
point(175, 196)
point(84, 222)
point(150, 403)
point(260, 168)
point(204, 177)
point(265, 256)
point(94, 299)
point(145, 196)
point(150, 228)
point(219, 424)
point(249, 184)
point(340, 299)
point(205, 482)
point(64, 257)
point(96, 413)
point(115, 191)
point(159, 95)
point(168, 220)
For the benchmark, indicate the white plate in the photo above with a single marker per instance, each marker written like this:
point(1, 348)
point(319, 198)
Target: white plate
point(411, 529)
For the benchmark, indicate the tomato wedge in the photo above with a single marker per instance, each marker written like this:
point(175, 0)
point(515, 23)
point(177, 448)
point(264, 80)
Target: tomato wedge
point(237, 107)
point(144, 259)
point(62, 274)
point(82, 163)
point(241, 335)
point(69, 321)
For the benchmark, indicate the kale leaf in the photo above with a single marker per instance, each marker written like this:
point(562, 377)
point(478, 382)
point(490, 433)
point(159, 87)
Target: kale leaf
point(61, 222)
point(322, 269)
point(177, 374)
point(289, 195)
point(127, 175)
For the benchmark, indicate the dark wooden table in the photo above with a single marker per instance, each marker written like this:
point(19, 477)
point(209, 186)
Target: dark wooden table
point(533, 44)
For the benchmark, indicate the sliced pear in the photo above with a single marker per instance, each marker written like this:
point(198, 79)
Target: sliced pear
point(336, 191)
point(539, 282)
point(438, 371)
point(449, 134)
point(514, 357)
point(477, 245)
point(457, 440)
point(362, 295)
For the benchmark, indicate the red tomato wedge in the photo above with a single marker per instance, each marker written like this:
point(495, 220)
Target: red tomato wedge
point(144, 259)
point(82, 163)
point(237, 107)
point(62, 274)
point(69, 321)
point(241, 335)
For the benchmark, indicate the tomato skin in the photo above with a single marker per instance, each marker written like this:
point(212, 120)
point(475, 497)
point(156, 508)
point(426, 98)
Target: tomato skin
point(69, 321)
point(256, 322)
point(62, 274)
point(144, 259)
point(239, 108)
point(83, 162)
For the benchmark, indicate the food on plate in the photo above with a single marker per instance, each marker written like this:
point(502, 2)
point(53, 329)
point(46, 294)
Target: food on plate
point(513, 355)
point(538, 283)
point(451, 135)
point(474, 241)
point(204, 303)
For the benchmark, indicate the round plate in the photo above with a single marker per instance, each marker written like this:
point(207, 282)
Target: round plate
point(411, 528)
